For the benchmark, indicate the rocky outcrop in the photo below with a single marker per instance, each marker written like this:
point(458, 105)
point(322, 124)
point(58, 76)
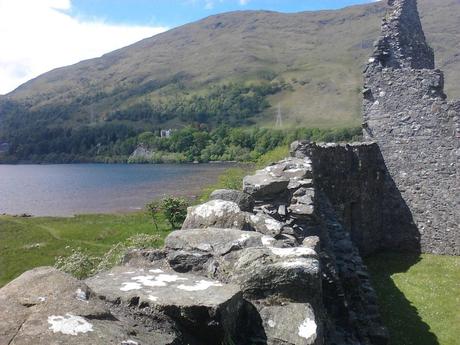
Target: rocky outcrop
point(141, 155)
point(417, 130)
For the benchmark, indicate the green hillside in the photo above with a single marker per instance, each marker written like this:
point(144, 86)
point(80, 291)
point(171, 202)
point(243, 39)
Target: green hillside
point(233, 68)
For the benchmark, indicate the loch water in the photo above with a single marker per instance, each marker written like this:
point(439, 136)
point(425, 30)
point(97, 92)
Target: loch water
point(69, 189)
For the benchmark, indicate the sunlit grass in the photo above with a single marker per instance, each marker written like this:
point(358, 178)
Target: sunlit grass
point(419, 297)
point(30, 242)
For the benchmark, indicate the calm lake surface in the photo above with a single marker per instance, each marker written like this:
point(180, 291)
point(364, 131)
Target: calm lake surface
point(68, 189)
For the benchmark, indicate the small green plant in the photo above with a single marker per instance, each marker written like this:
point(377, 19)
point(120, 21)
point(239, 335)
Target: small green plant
point(115, 254)
point(153, 209)
point(81, 265)
point(175, 210)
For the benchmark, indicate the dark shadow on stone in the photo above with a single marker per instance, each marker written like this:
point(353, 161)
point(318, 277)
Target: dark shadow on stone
point(364, 195)
point(404, 324)
point(250, 326)
point(399, 231)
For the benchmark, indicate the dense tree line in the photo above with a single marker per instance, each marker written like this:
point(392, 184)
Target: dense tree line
point(230, 144)
point(60, 144)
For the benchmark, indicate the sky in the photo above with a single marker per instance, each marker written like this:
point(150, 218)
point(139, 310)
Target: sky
point(39, 35)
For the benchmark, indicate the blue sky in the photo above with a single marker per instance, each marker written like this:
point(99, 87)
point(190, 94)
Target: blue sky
point(171, 13)
point(39, 35)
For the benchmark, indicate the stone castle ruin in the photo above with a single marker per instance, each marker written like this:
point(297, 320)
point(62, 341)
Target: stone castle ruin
point(281, 261)
point(417, 130)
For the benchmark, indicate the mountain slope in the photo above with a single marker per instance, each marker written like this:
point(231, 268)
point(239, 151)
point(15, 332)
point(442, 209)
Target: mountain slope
point(319, 49)
point(314, 59)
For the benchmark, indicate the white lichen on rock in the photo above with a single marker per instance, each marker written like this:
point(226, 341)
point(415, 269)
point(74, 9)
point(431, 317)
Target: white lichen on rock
point(307, 330)
point(159, 280)
point(81, 295)
point(69, 324)
point(128, 286)
point(216, 208)
point(293, 252)
point(129, 342)
point(267, 240)
point(294, 263)
point(271, 323)
point(199, 285)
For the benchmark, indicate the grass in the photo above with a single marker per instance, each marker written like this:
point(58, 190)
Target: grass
point(419, 297)
point(30, 242)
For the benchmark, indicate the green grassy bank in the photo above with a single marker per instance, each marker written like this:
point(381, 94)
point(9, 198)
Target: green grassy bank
point(30, 242)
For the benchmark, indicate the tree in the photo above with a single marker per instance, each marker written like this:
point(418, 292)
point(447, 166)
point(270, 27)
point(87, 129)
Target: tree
point(153, 210)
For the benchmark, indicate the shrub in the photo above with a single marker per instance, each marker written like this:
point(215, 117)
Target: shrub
point(175, 210)
point(81, 265)
point(115, 254)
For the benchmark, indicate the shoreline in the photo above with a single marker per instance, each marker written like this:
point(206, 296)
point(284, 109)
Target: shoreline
point(124, 162)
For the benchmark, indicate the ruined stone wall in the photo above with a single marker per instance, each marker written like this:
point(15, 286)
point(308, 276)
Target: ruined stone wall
point(355, 180)
point(403, 42)
point(406, 113)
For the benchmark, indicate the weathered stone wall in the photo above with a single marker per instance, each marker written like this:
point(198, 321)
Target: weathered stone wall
point(403, 43)
point(358, 185)
point(417, 130)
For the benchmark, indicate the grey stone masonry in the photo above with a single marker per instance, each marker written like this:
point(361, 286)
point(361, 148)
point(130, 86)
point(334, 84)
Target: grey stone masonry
point(417, 130)
point(356, 182)
point(403, 43)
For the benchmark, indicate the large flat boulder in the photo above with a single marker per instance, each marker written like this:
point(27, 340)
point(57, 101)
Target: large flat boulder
point(265, 186)
point(272, 182)
point(201, 249)
point(215, 213)
point(217, 241)
point(46, 306)
point(205, 308)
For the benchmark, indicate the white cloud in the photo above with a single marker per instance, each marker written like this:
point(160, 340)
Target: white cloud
point(38, 35)
point(209, 5)
point(244, 2)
